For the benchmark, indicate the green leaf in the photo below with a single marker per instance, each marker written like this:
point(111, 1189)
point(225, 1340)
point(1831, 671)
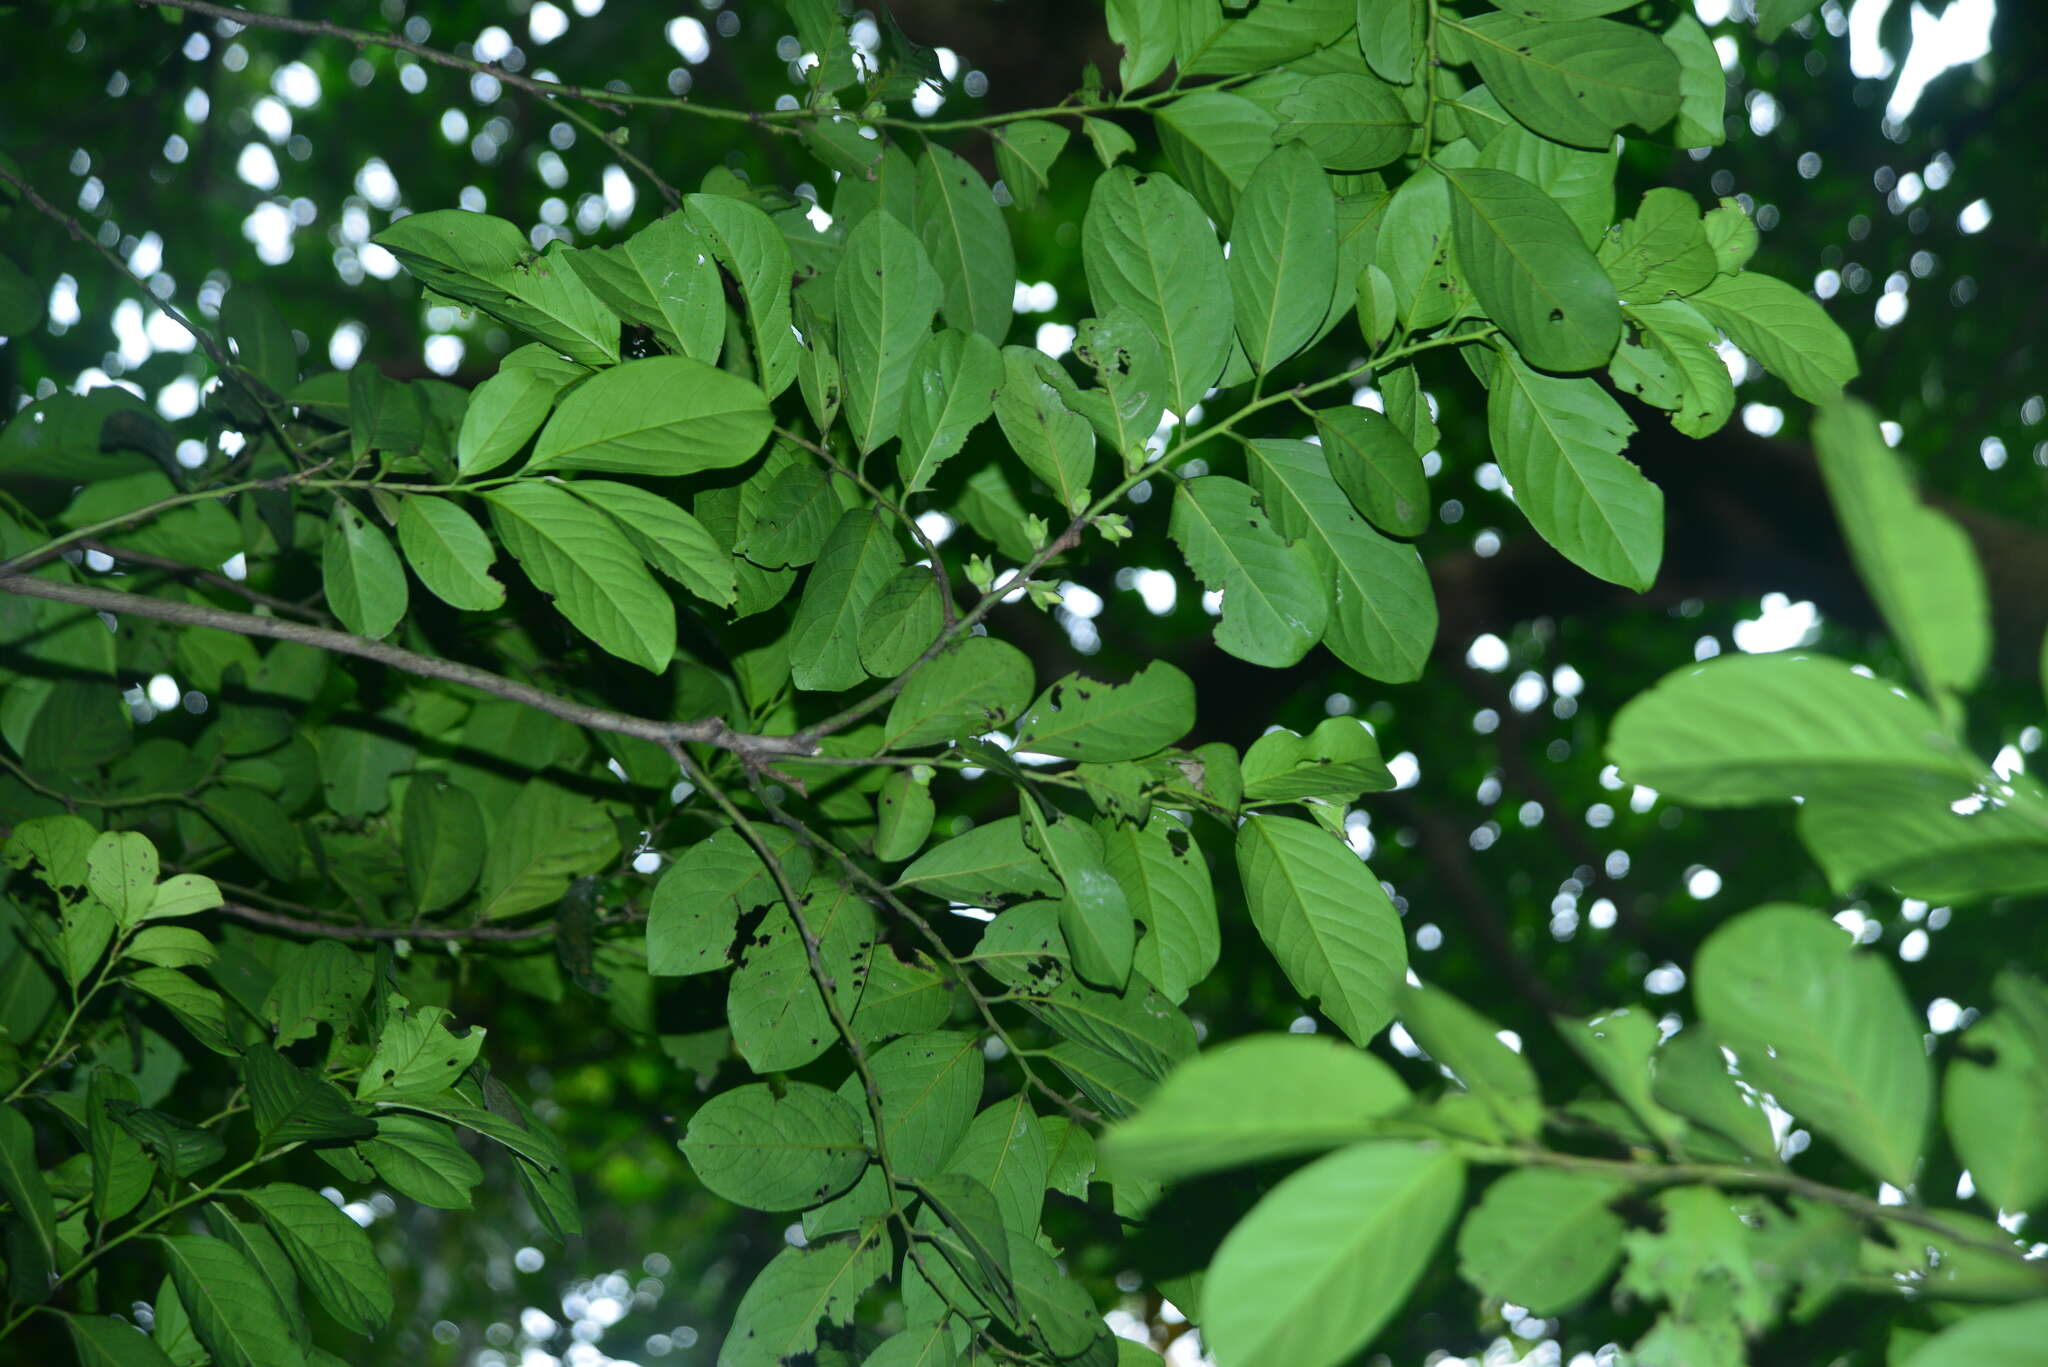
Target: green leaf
point(1005, 1149)
point(35, 1258)
point(1702, 85)
point(796, 511)
point(421, 1160)
point(1349, 122)
point(776, 1152)
point(661, 415)
point(1339, 760)
point(1079, 718)
point(951, 391)
point(1662, 251)
point(968, 244)
point(449, 552)
point(1025, 152)
point(1215, 140)
point(1254, 1099)
point(1414, 249)
point(1110, 141)
point(1917, 563)
point(548, 836)
point(232, 1311)
point(773, 1005)
point(504, 412)
point(1822, 1027)
point(1618, 1045)
point(977, 684)
point(1390, 34)
point(575, 555)
point(1148, 250)
point(1275, 605)
point(753, 251)
point(778, 1318)
point(2011, 1334)
point(1994, 1097)
point(1095, 915)
point(1130, 367)
point(1559, 443)
point(1326, 920)
point(1923, 845)
point(1732, 233)
point(902, 622)
point(322, 982)
point(1166, 879)
point(695, 910)
point(1267, 35)
point(988, 864)
point(1376, 468)
point(1577, 81)
point(416, 1053)
point(1382, 611)
point(884, 295)
point(1767, 728)
point(1054, 442)
point(1542, 1239)
point(1775, 16)
point(930, 1087)
point(1694, 1080)
point(1580, 182)
point(904, 812)
point(1674, 331)
point(442, 836)
point(667, 538)
point(662, 277)
point(361, 575)
point(1283, 256)
point(330, 1251)
point(1530, 272)
point(201, 1010)
point(122, 1169)
point(182, 1149)
point(1470, 1046)
point(1784, 328)
point(293, 1106)
point(1148, 31)
point(486, 262)
point(120, 870)
point(858, 559)
point(109, 1341)
point(1328, 1256)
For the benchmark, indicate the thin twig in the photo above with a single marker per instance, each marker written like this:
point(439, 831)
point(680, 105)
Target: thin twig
point(219, 581)
point(331, 930)
point(711, 731)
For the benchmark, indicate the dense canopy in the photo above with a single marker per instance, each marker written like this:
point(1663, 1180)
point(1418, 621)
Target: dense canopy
point(1279, 684)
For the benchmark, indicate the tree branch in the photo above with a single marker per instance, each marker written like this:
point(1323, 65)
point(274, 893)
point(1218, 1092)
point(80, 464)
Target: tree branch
point(331, 930)
point(711, 731)
point(220, 581)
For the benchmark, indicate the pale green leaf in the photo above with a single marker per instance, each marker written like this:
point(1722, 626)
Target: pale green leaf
point(1171, 897)
point(1824, 1028)
point(1675, 332)
point(858, 558)
point(1469, 1044)
point(1254, 1099)
point(930, 1088)
point(968, 243)
point(1376, 468)
point(449, 552)
point(1328, 1256)
point(574, 554)
point(548, 836)
point(1283, 255)
point(487, 262)
point(1350, 122)
point(777, 1320)
point(1326, 920)
point(976, 685)
point(902, 622)
point(1766, 728)
point(661, 415)
point(416, 1053)
point(1148, 250)
point(667, 538)
point(361, 575)
point(504, 411)
point(884, 295)
point(776, 1152)
point(1559, 443)
point(1528, 269)
point(1382, 611)
point(951, 390)
point(1784, 328)
point(1577, 81)
point(663, 278)
point(1025, 152)
point(752, 250)
point(1215, 139)
point(330, 1252)
point(1275, 605)
point(1542, 1239)
point(1079, 718)
point(232, 1310)
point(1054, 442)
point(421, 1160)
point(442, 835)
point(109, 1341)
point(988, 864)
point(694, 914)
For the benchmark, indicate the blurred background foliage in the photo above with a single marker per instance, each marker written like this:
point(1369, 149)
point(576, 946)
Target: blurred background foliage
point(1887, 154)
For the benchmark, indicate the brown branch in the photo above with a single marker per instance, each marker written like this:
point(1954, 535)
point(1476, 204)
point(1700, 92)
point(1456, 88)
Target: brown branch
point(219, 581)
point(331, 930)
point(711, 731)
